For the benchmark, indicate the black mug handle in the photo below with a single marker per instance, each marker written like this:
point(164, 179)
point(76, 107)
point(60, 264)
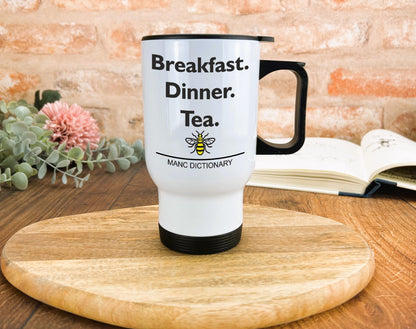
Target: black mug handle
point(265, 147)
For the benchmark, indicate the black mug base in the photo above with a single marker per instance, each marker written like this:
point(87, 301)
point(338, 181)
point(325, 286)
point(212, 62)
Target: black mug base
point(196, 245)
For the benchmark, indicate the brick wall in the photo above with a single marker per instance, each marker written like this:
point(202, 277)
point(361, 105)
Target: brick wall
point(360, 55)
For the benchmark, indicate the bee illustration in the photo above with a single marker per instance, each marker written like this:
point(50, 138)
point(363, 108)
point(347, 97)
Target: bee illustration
point(200, 143)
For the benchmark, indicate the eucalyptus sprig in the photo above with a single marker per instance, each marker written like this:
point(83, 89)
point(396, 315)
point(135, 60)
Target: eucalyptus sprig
point(26, 150)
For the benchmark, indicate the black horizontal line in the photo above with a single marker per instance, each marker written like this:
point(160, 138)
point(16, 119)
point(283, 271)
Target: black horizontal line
point(206, 159)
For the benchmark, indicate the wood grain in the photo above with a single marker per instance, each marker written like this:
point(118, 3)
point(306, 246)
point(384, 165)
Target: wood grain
point(387, 221)
point(110, 266)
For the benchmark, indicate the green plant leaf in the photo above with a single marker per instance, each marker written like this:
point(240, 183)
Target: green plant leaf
point(36, 130)
point(22, 102)
point(26, 168)
point(40, 119)
point(11, 106)
point(18, 128)
point(70, 171)
point(101, 144)
point(118, 141)
point(127, 150)
point(30, 135)
point(28, 120)
point(17, 149)
point(32, 109)
point(79, 167)
point(88, 150)
point(62, 147)
point(110, 167)
point(21, 112)
point(64, 179)
point(63, 163)
point(37, 150)
point(3, 107)
point(86, 178)
point(76, 153)
point(124, 164)
point(9, 163)
point(53, 157)
point(20, 181)
point(7, 144)
point(133, 159)
point(31, 159)
point(113, 152)
point(3, 178)
point(42, 171)
point(46, 133)
point(138, 146)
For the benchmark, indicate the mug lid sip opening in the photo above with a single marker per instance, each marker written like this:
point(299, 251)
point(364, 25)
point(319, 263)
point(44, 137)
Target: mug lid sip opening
point(208, 36)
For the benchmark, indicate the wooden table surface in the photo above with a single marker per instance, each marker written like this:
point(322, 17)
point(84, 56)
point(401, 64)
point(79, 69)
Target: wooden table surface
point(387, 221)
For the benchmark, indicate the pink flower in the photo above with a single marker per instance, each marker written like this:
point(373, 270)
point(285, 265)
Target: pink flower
point(71, 124)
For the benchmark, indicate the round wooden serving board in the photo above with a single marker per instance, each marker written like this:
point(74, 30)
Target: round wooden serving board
point(110, 266)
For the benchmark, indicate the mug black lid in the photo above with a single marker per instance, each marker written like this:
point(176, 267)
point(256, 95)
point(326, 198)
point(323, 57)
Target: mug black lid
point(208, 36)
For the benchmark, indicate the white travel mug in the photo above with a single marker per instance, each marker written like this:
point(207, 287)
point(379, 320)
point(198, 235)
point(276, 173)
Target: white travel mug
point(200, 94)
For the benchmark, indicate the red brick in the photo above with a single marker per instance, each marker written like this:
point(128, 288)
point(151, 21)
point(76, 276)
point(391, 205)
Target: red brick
point(316, 35)
point(119, 118)
point(279, 88)
point(13, 85)
point(191, 27)
point(404, 124)
point(399, 32)
point(348, 123)
point(110, 4)
point(97, 82)
point(237, 7)
point(54, 38)
point(380, 83)
point(361, 4)
point(124, 41)
point(14, 6)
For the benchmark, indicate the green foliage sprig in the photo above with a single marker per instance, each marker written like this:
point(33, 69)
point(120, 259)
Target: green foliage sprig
point(26, 150)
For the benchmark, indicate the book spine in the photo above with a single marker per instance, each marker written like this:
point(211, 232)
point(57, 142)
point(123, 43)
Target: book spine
point(371, 188)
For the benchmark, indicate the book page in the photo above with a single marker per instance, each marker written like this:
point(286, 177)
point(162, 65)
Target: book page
point(403, 176)
point(383, 149)
point(319, 155)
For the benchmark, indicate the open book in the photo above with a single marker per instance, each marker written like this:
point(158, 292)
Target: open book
point(335, 166)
